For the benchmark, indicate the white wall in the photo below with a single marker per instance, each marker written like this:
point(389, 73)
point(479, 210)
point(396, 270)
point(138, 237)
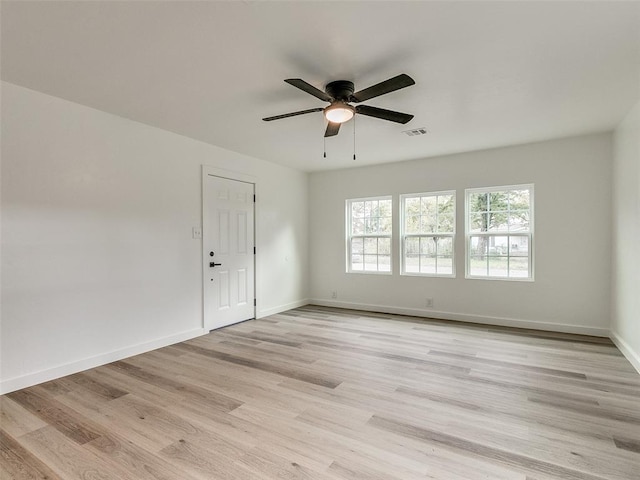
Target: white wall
point(625, 312)
point(98, 262)
point(571, 291)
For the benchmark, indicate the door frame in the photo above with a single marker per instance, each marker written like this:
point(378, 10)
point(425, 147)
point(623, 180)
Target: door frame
point(208, 170)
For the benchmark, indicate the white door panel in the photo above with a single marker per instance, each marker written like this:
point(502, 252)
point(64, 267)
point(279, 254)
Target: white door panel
point(228, 243)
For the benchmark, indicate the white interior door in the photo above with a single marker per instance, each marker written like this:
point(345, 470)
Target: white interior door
point(228, 247)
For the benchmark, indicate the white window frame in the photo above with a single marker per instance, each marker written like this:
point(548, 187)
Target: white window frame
point(500, 233)
point(350, 237)
point(404, 235)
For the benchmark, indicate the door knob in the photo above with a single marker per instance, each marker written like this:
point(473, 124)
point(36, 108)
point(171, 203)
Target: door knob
point(214, 264)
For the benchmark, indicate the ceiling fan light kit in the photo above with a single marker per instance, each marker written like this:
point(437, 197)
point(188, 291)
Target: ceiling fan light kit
point(339, 112)
point(340, 94)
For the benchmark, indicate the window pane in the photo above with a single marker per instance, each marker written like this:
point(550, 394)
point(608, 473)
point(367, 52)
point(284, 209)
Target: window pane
point(371, 263)
point(498, 202)
point(429, 214)
point(478, 265)
point(371, 225)
point(498, 267)
point(412, 246)
point(384, 225)
point(427, 245)
point(384, 246)
point(357, 226)
point(412, 224)
point(519, 267)
point(429, 205)
point(368, 207)
point(357, 250)
point(357, 245)
point(478, 222)
point(478, 202)
point(412, 206)
point(357, 209)
point(427, 264)
point(384, 263)
point(384, 208)
point(371, 245)
point(428, 223)
point(518, 246)
point(498, 222)
point(445, 223)
point(519, 200)
point(412, 263)
point(519, 221)
point(498, 245)
point(446, 205)
point(445, 246)
point(478, 246)
point(444, 265)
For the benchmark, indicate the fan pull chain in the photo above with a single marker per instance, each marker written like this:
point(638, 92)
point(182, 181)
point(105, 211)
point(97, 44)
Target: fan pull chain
point(354, 137)
point(324, 141)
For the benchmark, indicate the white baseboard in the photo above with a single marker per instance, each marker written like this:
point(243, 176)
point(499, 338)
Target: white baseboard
point(465, 317)
point(627, 351)
point(282, 308)
point(31, 379)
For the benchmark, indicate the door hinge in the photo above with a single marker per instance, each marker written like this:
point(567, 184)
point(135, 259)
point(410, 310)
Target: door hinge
point(254, 302)
point(254, 198)
point(254, 250)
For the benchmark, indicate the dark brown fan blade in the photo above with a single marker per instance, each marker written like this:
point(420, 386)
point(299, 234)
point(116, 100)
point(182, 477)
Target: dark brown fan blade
point(396, 83)
point(332, 129)
point(310, 89)
point(293, 114)
point(383, 114)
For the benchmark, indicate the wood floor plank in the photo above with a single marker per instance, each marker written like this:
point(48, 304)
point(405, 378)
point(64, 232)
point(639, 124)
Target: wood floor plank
point(263, 464)
point(203, 463)
point(628, 444)
point(140, 463)
point(19, 463)
point(55, 414)
point(17, 420)
point(102, 389)
point(501, 456)
point(260, 365)
point(68, 459)
point(324, 393)
point(182, 387)
point(505, 364)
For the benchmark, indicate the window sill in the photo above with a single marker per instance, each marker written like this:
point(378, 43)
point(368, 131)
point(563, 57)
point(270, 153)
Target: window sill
point(503, 279)
point(357, 272)
point(430, 275)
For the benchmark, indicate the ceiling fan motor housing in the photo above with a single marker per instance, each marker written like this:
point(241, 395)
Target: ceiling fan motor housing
point(340, 90)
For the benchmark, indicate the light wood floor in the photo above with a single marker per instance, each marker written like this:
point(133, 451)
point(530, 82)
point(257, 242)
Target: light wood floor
point(318, 393)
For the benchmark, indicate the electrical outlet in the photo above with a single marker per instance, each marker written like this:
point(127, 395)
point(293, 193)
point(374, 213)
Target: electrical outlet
point(196, 232)
point(334, 294)
point(429, 302)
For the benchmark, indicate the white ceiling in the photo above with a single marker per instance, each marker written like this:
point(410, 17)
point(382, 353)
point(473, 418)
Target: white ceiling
point(487, 74)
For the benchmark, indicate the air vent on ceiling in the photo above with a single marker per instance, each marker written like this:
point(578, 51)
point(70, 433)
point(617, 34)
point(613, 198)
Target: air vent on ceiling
point(416, 131)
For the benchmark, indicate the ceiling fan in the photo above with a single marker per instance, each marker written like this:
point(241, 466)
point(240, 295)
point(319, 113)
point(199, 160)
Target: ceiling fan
point(340, 94)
